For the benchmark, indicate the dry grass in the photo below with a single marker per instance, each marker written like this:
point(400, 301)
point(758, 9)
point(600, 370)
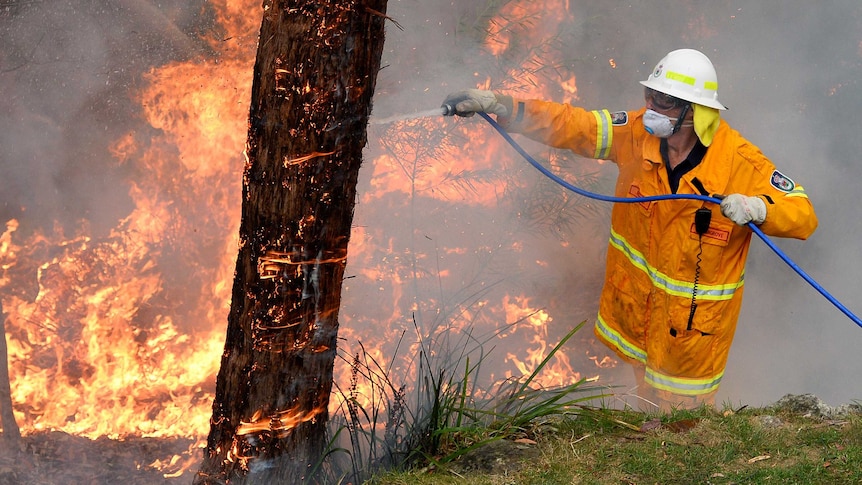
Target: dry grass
point(770, 445)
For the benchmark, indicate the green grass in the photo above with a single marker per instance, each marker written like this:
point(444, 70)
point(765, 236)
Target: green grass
point(701, 446)
point(527, 435)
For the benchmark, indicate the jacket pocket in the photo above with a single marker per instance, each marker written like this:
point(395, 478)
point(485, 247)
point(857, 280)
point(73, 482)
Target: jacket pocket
point(698, 352)
point(624, 304)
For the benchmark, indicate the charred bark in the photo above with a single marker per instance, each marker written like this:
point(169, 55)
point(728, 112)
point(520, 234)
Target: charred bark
point(314, 77)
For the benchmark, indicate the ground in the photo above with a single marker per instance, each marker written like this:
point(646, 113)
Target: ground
point(54, 457)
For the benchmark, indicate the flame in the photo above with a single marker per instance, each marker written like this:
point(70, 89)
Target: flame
point(104, 342)
point(559, 371)
point(121, 333)
point(438, 165)
point(249, 434)
point(278, 424)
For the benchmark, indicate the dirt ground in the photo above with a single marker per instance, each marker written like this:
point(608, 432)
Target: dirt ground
point(54, 457)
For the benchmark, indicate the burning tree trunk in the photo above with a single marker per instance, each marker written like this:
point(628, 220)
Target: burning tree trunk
point(314, 77)
point(11, 433)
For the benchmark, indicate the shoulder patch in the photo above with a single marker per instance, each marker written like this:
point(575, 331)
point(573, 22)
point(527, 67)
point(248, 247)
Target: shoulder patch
point(620, 118)
point(781, 182)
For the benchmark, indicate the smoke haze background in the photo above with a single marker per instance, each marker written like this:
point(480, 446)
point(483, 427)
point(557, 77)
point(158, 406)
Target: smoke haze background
point(788, 72)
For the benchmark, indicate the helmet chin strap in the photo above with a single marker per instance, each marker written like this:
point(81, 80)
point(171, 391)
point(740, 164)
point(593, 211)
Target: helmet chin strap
point(681, 118)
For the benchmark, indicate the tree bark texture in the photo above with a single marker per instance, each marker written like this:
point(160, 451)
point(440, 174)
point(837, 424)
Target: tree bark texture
point(11, 432)
point(314, 76)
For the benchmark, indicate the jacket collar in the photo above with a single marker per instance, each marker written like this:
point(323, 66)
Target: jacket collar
point(713, 171)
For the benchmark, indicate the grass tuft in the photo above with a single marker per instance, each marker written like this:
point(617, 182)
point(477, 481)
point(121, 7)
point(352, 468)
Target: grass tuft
point(381, 428)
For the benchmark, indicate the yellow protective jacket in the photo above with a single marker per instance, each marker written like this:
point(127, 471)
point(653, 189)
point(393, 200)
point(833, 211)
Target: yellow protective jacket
point(653, 250)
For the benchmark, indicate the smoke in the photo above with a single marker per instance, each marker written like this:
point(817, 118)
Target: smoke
point(789, 75)
point(452, 229)
point(66, 72)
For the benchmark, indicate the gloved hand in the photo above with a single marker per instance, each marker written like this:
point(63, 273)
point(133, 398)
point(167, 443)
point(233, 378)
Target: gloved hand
point(743, 209)
point(472, 101)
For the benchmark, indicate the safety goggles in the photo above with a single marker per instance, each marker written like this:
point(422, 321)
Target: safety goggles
point(662, 101)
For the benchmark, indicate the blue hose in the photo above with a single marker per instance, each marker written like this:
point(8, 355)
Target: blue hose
point(714, 199)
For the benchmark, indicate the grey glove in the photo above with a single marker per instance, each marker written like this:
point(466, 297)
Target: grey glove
point(472, 101)
point(743, 209)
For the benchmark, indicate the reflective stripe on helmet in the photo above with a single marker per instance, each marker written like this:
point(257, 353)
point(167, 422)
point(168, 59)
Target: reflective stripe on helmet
point(675, 76)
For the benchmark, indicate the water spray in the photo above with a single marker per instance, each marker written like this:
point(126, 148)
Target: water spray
point(445, 110)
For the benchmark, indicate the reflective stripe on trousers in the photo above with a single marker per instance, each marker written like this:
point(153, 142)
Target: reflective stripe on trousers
point(678, 385)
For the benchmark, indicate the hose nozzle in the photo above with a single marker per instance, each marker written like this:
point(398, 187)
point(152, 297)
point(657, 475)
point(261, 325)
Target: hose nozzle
point(448, 110)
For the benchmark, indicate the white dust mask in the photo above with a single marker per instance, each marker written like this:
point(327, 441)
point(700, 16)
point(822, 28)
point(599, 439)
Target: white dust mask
point(657, 124)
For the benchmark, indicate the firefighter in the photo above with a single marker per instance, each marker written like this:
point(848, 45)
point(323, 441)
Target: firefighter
point(675, 269)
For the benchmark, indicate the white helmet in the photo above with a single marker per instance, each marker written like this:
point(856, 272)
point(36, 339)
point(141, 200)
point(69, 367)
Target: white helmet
point(686, 74)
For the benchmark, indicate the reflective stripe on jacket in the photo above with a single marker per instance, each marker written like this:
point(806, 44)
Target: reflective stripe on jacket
point(653, 249)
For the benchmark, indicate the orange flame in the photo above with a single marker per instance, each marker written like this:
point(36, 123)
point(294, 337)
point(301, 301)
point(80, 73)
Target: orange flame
point(108, 340)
